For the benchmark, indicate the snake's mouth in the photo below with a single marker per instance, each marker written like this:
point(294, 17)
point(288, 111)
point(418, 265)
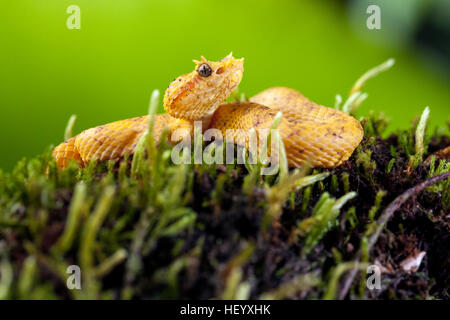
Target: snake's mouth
point(238, 67)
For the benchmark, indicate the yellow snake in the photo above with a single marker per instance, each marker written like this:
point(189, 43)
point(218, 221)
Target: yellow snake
point(321, 136)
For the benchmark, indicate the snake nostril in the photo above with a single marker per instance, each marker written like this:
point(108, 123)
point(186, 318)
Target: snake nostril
point(220, 70)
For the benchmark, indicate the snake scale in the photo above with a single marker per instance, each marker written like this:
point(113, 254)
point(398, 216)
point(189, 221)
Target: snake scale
point(318, 135)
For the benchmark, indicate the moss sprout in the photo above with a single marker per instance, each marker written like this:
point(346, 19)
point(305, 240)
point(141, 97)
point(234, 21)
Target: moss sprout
point(68, 133)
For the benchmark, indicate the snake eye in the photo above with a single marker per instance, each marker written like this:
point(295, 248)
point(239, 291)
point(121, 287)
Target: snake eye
point(204, 70)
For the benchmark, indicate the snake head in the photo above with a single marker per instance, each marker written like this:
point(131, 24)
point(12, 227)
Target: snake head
point(196, 95)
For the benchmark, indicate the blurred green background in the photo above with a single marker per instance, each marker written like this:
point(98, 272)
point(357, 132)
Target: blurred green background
point(125, 48)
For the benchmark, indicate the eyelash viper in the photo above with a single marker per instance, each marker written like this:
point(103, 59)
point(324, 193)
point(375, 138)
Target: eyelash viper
point(321, 136)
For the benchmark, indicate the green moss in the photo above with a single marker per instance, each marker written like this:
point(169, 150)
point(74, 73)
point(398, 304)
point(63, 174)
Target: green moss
point(323, 218)
point(363, 161)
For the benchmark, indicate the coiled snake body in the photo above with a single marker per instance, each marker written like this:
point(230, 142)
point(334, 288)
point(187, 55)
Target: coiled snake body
point(320, 136)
